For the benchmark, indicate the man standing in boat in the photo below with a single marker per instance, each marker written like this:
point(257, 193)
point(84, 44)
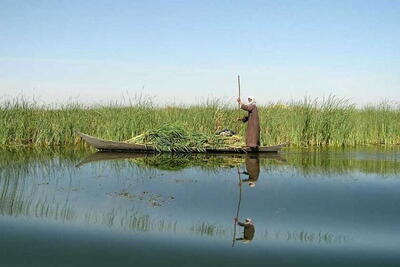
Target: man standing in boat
point(253, 122)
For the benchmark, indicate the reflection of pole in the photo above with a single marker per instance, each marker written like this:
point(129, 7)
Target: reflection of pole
point(238, 208)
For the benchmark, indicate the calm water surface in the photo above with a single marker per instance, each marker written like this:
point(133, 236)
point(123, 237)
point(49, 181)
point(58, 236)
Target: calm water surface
point(309, 208)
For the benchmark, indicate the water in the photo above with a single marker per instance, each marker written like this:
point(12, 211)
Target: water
point(308, 208)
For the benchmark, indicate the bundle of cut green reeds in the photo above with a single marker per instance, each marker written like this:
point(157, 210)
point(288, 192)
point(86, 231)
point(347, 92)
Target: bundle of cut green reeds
point(175, 137)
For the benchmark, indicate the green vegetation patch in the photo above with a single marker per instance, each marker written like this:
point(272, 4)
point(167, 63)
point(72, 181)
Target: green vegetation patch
point(177, 137)
point(307, 123)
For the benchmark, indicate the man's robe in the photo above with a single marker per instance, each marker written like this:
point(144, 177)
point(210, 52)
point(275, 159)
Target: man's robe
point(253, 125)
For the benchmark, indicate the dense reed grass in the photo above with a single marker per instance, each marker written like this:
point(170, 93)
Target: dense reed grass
point(331, 121)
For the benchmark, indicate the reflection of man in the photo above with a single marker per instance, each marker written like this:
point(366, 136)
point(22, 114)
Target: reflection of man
point(249, 230)
point(252, 170)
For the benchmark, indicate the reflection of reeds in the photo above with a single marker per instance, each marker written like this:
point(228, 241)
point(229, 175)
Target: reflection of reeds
point(175, 162)
point(29, 208)
point(324, 162)
point(22, 197)
point(51, 163)
point(14, 203)
point(29, 161)
point(208, 229)
point(330, 121)
point(307, 237)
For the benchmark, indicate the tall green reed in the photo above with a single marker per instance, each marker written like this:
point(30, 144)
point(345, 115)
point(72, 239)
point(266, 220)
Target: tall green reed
point(310, 122)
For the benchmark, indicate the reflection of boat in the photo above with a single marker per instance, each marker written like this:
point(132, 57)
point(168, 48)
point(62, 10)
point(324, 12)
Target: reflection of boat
point(101, 156)
point(195, 159)
point(116, 146)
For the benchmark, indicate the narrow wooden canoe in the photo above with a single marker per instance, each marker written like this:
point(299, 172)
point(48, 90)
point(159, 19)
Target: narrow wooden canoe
point(116, 146)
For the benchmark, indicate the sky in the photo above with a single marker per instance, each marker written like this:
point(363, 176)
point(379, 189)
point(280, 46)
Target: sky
point(188, 51)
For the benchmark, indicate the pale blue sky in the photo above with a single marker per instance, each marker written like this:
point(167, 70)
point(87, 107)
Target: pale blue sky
point(184, 51)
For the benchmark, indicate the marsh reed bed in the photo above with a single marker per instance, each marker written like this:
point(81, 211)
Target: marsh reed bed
point(328, 122)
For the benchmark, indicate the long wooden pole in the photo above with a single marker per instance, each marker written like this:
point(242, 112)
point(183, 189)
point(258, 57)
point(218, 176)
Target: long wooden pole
point(240, 180)
point(238, 104)
point(239, 92)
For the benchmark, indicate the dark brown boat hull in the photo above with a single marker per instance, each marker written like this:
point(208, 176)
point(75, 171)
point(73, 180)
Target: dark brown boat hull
point(116, 146)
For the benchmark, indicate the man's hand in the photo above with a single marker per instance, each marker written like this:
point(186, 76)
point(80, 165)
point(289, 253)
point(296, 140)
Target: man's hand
point(238, 100)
